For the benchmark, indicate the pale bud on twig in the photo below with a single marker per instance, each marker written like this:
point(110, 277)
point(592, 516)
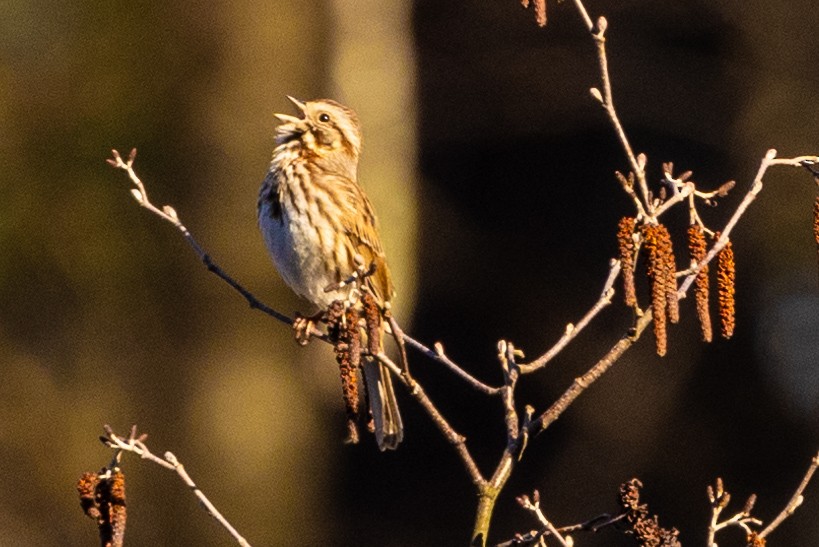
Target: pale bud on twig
point(170, 211)
point(138, 195)
point(749, 505)
point(116, 161)
point(597, 95)
point(725, 188)
point(641, 161)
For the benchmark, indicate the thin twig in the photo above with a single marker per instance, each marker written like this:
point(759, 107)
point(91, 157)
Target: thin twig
point(168, 213)
point(595, 372)
point(533, 505)
point(592, 525)
point(720, 498)
point(756, 187)
point(440, 356)
point(687, 190)
point(398, 335)
point(511, 373)
point(137, 446)
point(795, 501)
point(585, 15)
point(457, 440)
point(606, 100)
point(573, 330)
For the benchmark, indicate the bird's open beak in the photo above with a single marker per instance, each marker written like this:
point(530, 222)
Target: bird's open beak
point(287, 118)
point(301, 106)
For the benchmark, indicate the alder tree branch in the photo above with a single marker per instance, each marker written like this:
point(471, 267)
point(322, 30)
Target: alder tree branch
point(769, 160)
point(136, 445)
point(457, 440)
point(533, 505)
point(720, 498)
point(438, 354)
point(795, 501)
point(638, 162)
point(535, 537)
point(572, 330)
point(169, 214)
point(634, 519)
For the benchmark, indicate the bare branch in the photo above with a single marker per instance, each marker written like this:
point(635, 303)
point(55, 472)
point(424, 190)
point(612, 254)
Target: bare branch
point(137, 446)
point(795, 501)
point(585, 15)
point(169, 214)
point(457, 440)
point(439, 355)
point(507, 355)
point(595, 372)
point(592, 525)
point(573, 330)
point(637, 162)
point(720, 498)
point(533, 505)
point(756, 187)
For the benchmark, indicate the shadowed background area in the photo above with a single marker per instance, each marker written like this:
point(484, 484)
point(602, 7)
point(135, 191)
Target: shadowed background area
point(491, 169)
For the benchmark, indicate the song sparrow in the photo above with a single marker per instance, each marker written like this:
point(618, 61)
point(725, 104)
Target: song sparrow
point(316, 220)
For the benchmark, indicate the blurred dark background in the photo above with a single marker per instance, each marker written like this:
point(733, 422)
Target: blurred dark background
point(491, 168)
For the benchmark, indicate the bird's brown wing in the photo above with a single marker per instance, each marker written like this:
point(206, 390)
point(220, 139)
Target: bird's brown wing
point(361, 226)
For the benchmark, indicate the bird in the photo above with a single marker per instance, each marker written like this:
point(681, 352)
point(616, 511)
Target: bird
point(319, 227)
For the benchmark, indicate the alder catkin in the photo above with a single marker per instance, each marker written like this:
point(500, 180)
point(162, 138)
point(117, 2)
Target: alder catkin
point(669, 275)
point(342, 328)
point(696, 251)
point(657, 264)
point(625, 243)
point(726, 277)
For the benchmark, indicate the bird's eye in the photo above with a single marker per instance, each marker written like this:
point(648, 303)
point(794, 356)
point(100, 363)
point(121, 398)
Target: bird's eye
point(324, 117)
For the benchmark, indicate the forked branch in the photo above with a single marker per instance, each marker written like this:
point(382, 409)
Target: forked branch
point(136, 444)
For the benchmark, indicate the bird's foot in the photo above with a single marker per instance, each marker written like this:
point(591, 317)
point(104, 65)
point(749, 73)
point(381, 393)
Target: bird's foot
point(303, 327)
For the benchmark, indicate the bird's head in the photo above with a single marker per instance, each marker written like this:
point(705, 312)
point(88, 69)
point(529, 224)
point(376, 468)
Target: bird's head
point(325, 127)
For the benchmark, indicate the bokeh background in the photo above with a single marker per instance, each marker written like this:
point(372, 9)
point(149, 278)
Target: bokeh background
point(491, 169)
